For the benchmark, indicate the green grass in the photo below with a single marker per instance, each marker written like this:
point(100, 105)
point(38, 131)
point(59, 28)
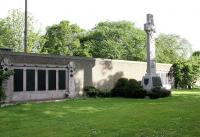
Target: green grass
point(176, 116)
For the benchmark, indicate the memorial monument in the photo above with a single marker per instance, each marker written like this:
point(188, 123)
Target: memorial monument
point(151, 79)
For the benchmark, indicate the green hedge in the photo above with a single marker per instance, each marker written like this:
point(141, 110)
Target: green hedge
point(128, 88)
point(91, 91)
point(159, 92)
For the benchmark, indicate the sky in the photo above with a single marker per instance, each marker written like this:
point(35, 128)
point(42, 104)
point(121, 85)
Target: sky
point(181, 17)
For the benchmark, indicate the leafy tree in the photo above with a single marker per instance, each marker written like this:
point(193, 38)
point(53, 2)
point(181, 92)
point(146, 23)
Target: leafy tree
point(5, 34)
point(196, 54)
point(195, 59)
point(185, 73)
point(12, 31)
point(171, 48)
point(63, 39)
point(116, 40)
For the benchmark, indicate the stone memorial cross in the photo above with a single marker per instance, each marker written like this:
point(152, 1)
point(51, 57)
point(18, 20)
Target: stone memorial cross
point(151, 79)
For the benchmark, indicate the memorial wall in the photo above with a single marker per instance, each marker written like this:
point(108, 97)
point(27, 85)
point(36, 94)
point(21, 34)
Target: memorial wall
point(44, 77)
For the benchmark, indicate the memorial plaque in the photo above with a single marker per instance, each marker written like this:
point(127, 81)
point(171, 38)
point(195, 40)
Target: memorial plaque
point(62, 79)
point(41, 80)
point(30, 80)
point(52, 79)
point(156, 82)
point(18, 80)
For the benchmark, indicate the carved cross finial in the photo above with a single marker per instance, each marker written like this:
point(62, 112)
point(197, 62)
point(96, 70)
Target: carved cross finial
point(150, 19)
point(149, 26)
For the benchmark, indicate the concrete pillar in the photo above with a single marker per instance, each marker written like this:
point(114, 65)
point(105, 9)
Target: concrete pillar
point(71, 80)
point(24, 79)
point(36, 79)
point(47, 80)
point(57, 82)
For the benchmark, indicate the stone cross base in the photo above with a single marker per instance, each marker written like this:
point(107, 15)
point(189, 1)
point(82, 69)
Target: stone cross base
point(150, 81)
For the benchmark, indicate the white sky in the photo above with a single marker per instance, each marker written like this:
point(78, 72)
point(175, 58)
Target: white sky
point(181, 17)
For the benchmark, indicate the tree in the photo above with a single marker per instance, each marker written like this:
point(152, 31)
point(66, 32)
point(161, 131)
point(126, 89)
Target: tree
point(5, 34)
point(185, 73)
point(12, 31)
point(116, 40)
point(63, 39)
point(171, 48)
point(195, 59)
point(196, 54)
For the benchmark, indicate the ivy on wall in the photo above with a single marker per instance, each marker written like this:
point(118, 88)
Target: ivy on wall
point(4, 75)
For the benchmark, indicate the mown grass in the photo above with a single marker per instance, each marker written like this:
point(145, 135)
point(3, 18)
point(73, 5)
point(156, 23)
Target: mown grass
point(176, 116)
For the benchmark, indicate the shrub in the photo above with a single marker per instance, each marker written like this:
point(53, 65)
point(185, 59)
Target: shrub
point(159, 93)
point(2, 94)
point(165, 93)
point(4, 75)
point(140, 93)
point(104, 93)
point(120, 87)
point(128, 88)
point(135, 89)
point(91, 91)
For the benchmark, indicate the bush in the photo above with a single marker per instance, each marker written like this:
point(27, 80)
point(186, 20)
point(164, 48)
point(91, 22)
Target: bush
point(4, 75)
point(2, 94)
point(91, 91)
point(159, 93)
point(140, 93)
point(104, 93)
point(120, 88)
point(128, 88)
point(135, 89)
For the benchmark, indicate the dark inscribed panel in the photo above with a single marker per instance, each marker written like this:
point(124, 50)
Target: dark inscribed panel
point(52, 79)
point(41, 80)
point(62, 79)
point(18, 80)
point(30, 80)
point(156, 82)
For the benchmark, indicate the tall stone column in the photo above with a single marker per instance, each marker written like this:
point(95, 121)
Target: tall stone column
point(71, 80)
point(151, 79)
point(150, 30)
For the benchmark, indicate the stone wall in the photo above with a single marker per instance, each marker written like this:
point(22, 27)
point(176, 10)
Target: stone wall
point(101, 73)
point(198, 83)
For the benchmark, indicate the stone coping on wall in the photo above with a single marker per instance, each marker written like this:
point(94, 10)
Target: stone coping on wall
point(22, 54)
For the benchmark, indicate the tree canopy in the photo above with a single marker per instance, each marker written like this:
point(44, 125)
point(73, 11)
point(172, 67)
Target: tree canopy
point(116, 40)
point(185, 73)
point(172, 48)
point(63, 39)
point(196, 54)
point(12, 31)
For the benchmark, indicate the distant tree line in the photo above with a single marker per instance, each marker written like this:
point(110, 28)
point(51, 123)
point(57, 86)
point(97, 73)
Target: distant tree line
point(108, 39)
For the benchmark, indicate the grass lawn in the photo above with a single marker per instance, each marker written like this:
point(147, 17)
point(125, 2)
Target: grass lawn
point(176, 116)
